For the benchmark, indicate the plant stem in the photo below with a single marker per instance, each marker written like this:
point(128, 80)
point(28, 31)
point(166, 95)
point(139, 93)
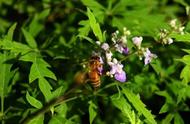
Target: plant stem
point(46, 107)
point(2, 107)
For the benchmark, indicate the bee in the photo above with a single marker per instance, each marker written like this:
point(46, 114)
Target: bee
point(93, 73)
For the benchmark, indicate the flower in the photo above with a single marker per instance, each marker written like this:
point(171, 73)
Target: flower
point(120, 76)
point(125, 50)
point(98, 42)
point(172, 23)
point(148, 56)
point(105, 46)
point(170, 40)
point(137, 41)
point(119, 47)
point(117, 70)
point(109, 56)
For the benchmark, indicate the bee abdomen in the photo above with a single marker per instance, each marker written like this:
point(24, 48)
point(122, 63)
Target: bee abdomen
point(95, 83)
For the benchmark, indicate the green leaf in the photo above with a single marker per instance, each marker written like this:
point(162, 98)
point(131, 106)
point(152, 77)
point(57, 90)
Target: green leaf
point(139, 105)
point(181, 38)
point(5, 74)
point(168, 119)
point(124, 107)
point(84, 30)
point(33, 101)
point(39, 70)
point(185, 59)
point(15, 47)
point(185, 74)
point(11, 30)
point(57, 92)
point(36, 24)
point(165, 108)
point(95, 26)
point(178, 119)
point(29, 39)
point(38, 120)
point(186, 50)
point(92, 111)
point(58, 119)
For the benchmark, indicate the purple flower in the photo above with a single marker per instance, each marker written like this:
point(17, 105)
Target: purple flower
point(148, 56)
point(120, 76)
point(125, 50)
point(117, 70)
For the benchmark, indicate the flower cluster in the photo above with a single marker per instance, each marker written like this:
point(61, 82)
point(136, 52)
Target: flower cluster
point(143, 52)
point(118, 45)
point(175, 27)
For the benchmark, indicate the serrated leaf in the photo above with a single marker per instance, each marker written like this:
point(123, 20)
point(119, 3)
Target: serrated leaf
point(39, 69)
point(124, 107)
point(92, 111)
point(185, 74)
point(29, 39)
point(139, 105)
point(84, 30)
point(33, 101)
point(38, 120)
point(94, 25)
point(15, 47)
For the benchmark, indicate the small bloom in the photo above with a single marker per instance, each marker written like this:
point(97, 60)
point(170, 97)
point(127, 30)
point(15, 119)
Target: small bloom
point(109, 56)
point(117, 71)
point(173, 23)
point(124, 39)
point(120, 76)
point(148, 56)
point(137, 41)
point(105, 46)
point(170, 40)
point(125, 50)
point(181, 30)
point(98, 42)
point(119, 47)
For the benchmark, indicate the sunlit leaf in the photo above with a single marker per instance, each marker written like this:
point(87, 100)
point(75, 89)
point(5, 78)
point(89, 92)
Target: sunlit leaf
point(29, 39)
point(139, 105)
point(33, 101)
point(95, 26)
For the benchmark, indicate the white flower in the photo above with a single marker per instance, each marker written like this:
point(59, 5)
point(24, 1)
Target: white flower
point(109, 56)
point(98, 42)
point(105, 46)
point(148, 56)
point(137, 41)
point(170, 40)
point(173, 23)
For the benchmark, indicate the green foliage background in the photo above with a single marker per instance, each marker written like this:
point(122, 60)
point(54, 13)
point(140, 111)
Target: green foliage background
point(44, 42)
